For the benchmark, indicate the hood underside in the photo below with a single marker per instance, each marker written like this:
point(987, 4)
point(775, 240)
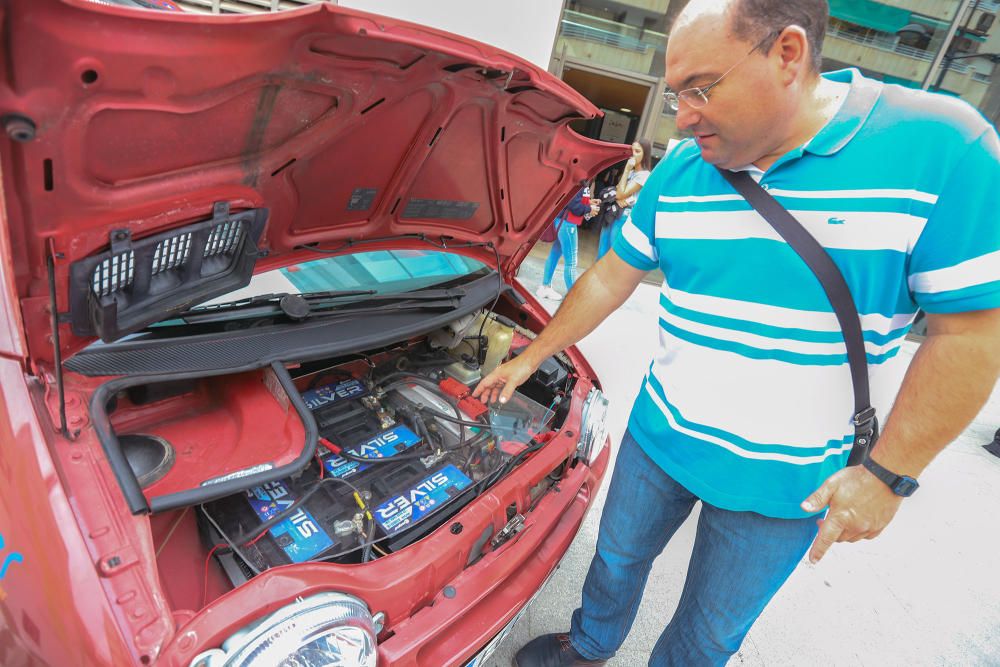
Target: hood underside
point(341, 125)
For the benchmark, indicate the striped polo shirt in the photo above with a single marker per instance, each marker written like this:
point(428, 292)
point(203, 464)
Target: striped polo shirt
point(748, 401)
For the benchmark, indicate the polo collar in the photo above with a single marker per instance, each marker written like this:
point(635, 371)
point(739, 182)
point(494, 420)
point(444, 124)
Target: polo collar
point(853, 113)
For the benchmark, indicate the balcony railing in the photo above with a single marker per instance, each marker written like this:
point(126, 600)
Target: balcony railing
point(577, 25)
point(890, 44)
point(599, 36)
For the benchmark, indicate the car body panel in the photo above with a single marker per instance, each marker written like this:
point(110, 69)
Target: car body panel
point(53, 607)
point(143, 120)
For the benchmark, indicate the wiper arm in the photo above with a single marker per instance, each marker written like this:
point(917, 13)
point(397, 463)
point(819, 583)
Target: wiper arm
point(302, 306)
point(302, 311)
point(274, 297)
point(429, 294)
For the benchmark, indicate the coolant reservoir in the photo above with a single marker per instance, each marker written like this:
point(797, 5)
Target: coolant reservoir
point(499, 331)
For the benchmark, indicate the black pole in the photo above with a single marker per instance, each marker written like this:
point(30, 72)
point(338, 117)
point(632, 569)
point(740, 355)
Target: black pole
point(949, 55)
point(56, 345)
point(945, 63)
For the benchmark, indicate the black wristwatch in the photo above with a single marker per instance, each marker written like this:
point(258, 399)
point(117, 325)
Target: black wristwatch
point(901, 485)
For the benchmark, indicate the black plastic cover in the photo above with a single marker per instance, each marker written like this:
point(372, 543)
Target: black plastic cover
point(136, 283)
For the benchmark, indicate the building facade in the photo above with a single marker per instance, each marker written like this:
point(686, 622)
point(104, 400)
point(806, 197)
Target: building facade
point(613, 52)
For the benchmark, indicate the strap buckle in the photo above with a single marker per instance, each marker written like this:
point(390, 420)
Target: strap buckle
point(865, 435)
point(865, 418)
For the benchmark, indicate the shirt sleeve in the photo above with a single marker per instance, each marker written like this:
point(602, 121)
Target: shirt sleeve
point(955, 264)
point(577, 205)
point(636, 243)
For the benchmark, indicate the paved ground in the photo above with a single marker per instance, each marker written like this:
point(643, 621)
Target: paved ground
point(927, 592)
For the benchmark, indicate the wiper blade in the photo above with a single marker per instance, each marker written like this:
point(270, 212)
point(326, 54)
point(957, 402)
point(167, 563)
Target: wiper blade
point(275, 297)
point(429, 294)
point(273, 310)
point(302, 306)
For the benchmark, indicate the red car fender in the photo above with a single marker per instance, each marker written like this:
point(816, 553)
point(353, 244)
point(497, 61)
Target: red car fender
point(53, 609)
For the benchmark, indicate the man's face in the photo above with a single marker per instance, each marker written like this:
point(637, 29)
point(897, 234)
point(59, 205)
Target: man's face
point(744, 115)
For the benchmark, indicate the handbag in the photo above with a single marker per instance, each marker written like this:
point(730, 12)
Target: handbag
point(551, 232)
point(839, 294)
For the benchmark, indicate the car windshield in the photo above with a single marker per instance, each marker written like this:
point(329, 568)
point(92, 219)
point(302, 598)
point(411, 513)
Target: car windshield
point(375, 272)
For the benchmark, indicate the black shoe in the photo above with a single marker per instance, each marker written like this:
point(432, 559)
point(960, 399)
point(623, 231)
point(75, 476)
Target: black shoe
point(551, 651)
point(994, 447)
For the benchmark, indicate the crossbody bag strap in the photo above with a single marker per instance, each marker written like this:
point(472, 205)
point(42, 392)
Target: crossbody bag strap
point(822, 265)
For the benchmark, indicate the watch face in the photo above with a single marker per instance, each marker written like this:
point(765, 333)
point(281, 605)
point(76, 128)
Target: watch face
point(905, 486)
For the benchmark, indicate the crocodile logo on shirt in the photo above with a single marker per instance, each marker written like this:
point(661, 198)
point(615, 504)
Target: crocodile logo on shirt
point(835, 221)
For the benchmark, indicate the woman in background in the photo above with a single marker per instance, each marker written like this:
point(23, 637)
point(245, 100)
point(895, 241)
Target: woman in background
point(565, 245)
point(627, 191)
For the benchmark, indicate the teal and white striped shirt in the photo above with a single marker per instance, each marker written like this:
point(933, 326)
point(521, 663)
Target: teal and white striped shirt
point(748, 401)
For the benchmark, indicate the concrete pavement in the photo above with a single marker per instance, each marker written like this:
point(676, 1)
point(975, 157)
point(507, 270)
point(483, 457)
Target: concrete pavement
point(926, 592)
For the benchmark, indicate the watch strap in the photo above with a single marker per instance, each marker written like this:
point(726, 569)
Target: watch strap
point(901, 485)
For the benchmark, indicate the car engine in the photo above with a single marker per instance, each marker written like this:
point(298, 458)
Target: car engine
point(403, 447)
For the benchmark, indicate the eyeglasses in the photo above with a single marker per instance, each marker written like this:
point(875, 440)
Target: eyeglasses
point(696, 98)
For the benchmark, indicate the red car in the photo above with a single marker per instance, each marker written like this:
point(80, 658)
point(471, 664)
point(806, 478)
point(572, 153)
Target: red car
point(250, 270)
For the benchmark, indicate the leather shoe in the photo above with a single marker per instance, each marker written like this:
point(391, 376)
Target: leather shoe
point(551, 651)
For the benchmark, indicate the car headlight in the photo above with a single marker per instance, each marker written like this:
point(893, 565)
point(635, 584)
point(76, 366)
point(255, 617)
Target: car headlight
point(323, 630)
point(594, 426)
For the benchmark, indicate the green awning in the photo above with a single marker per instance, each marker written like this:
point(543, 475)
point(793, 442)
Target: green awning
point(943, 25)
point(870, 14)
point(974, 37)
point(937, 24)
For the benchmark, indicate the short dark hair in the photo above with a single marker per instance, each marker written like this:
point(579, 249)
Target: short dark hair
point(755, 20)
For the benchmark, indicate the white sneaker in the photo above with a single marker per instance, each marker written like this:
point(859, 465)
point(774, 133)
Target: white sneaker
point(546, 292)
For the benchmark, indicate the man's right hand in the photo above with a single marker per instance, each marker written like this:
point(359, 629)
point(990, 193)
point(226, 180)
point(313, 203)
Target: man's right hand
point(501, 383)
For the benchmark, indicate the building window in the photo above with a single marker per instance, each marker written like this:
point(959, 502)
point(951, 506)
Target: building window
point(985, 23)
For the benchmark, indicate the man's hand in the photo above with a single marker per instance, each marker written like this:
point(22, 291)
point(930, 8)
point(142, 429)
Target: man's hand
point(861, 506)
point(501, 383)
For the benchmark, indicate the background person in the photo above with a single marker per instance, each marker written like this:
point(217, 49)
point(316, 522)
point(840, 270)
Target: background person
point(633, 177)
point(566, 244)
point(900, 186)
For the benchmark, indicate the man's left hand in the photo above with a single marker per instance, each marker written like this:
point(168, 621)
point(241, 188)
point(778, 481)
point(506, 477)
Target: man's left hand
point(861, 506)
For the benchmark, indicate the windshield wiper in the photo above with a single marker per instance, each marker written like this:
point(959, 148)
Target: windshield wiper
point(301, 306)
point(274, 297)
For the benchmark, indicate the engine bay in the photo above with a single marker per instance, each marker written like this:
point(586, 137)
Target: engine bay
point(402, 447)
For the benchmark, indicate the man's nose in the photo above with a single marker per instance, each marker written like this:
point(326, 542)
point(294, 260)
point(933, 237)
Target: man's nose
point(687, 117)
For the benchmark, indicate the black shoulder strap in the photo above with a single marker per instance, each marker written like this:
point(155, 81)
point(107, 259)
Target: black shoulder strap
point(837, 291)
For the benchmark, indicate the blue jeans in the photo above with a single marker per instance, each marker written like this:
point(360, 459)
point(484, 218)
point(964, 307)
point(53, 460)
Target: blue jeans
point(739, 562)
point(565, 246)
point(609, 233)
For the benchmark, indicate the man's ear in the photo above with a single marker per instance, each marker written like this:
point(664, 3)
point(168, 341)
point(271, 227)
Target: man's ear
point(792, 52)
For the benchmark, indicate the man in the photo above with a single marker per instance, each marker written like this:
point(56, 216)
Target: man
point(747, 404)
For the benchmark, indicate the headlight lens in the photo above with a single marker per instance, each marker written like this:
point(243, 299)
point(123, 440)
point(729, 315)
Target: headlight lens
point(323, 630)
point(594, 426)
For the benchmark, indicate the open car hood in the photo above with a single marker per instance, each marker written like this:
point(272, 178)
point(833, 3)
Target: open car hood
point(315, 126)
